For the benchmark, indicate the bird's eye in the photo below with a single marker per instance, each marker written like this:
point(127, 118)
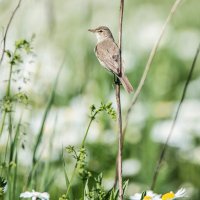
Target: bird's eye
point(100, 31)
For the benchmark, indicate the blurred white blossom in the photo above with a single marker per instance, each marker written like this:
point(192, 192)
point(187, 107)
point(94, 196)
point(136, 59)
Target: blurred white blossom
point(35, 195)
point(150, 195)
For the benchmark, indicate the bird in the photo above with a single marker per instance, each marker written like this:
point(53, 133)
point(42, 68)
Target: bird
point(108, 54)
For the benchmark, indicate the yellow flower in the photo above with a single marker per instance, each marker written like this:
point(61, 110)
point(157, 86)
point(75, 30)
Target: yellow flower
point(168, 196)
point(147, 198)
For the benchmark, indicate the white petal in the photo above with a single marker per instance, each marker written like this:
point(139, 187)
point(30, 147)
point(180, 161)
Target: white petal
point(157, 197)
point(136, 196)
point(34, 195)
point(180, 193)
point(26, 195)
point(44, 196)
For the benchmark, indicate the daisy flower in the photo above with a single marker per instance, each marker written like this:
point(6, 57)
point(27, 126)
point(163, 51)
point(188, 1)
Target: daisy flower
point(153, 196)
point(35, 195)
point(3, 185)
point(148, 196)
point(170, 195)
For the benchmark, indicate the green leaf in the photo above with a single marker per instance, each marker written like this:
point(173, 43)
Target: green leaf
point(8, 53)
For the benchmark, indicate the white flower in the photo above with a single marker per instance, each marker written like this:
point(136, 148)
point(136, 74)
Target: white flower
point(152, 196)
point(35, 195)
point(170, 195)
point(4, 184)
point(149, 196)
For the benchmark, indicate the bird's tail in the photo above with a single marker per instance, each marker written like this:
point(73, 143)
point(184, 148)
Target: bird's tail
point(126, 84)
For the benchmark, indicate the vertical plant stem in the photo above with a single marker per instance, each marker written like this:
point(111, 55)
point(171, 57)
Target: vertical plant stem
point(118, 101)
point(119, 121)
point(8, 96)
point(147, 68)
point(86, 132)
point(6, 31)
point(5, 112)
point(15, 176)
point(120, 33)
point(71, 179)
point(2, 122)
point(82, 146)
point(9, 163)
point(10, 79)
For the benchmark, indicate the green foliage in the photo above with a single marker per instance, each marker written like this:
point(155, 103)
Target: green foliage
point(21, 97)
point(103, 107)
point(63, 197)
point(80, 157)
point(23, 44)
point(143, 195)
point(95, 190)
point(6, 104)
point(15, 57)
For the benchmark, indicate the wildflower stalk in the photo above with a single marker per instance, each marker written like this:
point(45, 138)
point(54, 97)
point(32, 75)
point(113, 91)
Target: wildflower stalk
point(118, 101)
point(15, 177)
point(94, 111)
point(8, 111)
point(82, 146)
point(10, 78)
point(7, 95)
point(88, 127)
point(7, 29)
point(2, 122)
point(146, 70)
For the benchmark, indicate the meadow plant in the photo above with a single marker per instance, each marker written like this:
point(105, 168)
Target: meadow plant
point(80, 155)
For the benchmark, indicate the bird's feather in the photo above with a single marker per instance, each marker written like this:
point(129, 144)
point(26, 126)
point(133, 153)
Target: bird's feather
point(107, 53)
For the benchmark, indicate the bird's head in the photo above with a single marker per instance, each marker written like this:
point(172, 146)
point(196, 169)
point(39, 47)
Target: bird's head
point(102, 33)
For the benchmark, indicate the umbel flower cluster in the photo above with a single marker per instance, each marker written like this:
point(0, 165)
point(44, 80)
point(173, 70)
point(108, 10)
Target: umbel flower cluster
point(150, 195)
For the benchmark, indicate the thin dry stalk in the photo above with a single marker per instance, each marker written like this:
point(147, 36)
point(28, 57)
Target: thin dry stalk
point(162, 154)
point(118, 101)
point(146, 70)
point(7, 28)
point(119, 120)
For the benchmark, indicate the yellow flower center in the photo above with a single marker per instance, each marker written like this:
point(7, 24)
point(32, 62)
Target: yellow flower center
point(147, 198)
point(168, 196)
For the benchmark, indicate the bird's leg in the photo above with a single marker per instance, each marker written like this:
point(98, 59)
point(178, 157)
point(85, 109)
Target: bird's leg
point(116, 79)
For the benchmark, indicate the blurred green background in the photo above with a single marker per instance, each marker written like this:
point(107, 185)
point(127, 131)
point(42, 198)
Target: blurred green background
point(61, 38)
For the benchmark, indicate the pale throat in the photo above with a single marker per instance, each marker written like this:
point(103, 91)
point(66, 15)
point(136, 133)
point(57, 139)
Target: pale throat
point(101, 38)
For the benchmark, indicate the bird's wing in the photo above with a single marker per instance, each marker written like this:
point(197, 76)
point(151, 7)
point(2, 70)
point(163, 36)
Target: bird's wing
point(107, 53)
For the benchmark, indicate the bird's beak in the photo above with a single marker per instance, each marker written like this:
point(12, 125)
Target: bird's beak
point(92, 30)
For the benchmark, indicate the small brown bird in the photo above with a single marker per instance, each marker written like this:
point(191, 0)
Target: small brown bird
point(108, 55)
